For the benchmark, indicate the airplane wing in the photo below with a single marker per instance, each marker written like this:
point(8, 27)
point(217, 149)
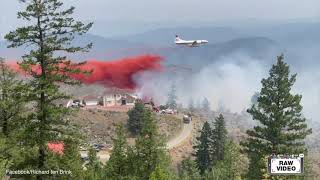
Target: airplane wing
point(194, 43)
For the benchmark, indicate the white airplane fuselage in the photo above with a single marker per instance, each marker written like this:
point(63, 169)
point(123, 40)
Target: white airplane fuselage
point(191, 43)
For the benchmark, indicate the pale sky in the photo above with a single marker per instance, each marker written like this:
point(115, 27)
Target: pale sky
point(121, 15)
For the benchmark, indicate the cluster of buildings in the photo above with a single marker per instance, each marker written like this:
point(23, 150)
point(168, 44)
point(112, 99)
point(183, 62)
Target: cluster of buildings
point(114, 99)
point(107, 99)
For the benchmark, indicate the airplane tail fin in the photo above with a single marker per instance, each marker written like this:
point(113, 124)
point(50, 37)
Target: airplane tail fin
point(178, 38)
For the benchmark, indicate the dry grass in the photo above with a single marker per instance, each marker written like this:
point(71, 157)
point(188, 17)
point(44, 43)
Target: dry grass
point(98, 126)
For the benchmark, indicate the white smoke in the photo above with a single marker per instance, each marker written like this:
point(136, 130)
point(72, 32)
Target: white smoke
point(308, 86)
point(224, 82)
point(230, 81)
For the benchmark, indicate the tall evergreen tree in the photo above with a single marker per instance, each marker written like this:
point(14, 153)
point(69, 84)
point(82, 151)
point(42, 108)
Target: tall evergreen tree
point(12, 109)
point(11, 99)
point(4, 160)
point(136, 117)
point(233, 165)
point(160, 174)
point(219, 137)
point(203, 148)
point(189, 170)
point(118, 166)
point(282, 128)
point(172, 97)
point(94, 167)
point(50, 29)
point(70, 160)
point(132, 163)
point(93, 159)
point(150, 149)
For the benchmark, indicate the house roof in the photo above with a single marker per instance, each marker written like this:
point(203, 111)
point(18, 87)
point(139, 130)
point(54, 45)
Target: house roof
point(128, 96)
point(91, 98)
point(109, 91)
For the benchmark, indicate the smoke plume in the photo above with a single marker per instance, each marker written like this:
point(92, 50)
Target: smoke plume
point(230, 82)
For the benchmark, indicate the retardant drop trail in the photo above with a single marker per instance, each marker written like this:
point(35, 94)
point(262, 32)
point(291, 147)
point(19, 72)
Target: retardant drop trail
point(119, 73)
point(116, 73)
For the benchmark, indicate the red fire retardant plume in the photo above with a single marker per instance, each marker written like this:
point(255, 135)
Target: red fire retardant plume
point(56, 147)
point(117, 73)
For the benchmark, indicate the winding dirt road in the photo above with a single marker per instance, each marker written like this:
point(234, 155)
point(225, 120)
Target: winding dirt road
point(184, 134)
point(104, 155)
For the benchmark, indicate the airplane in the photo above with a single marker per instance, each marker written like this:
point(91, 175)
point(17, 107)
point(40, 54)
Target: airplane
point(190, 43)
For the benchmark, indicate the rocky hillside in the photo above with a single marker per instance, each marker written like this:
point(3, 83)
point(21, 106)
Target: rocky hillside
point(99, 126)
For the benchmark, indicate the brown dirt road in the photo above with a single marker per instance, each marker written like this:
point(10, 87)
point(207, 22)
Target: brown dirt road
point(186, 132)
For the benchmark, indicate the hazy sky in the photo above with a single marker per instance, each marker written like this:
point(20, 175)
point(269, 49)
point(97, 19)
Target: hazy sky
point(121, 15)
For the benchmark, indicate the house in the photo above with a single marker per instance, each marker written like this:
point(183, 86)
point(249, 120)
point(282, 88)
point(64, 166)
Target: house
point(119, 99)
point(92, 100)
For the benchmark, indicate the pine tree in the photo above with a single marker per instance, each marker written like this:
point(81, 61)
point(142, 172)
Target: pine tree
point(202, 150)
point(282, 128)
point(132, 163)
point(189, 170)
point(50, 29)
point(136, 117)
point(4, 160)
point(172, 97)
point(206, 105)
point(93, 159)
point(160, 174)
point(94, 167)
point(11, 99)
point(69, 160)
point(150, 149)
point(12, 109)
point(233, 165)
point(118, 166)
point(219, 137)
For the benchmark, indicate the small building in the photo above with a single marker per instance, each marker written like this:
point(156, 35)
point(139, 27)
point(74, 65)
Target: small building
point(115, 97)
point(119, 99)
point(92, 100)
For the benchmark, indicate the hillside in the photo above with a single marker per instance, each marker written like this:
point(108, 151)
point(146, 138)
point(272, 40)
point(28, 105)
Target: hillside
point(98, 126)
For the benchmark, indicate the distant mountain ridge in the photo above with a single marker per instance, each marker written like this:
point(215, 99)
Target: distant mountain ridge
point(104, 48)
point(261, 42)
point(166, 35)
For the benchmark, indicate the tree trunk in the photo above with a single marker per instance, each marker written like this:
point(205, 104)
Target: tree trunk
point(42, 101)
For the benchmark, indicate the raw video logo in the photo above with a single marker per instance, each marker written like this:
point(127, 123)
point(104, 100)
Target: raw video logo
point(285, 164)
